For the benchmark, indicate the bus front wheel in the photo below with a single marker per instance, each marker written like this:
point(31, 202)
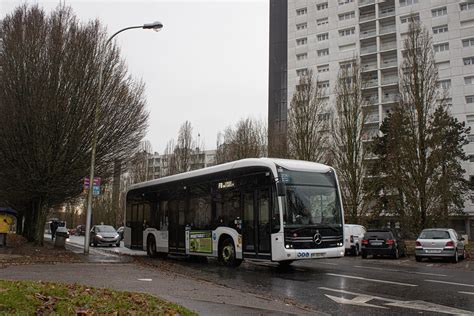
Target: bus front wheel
point(151, 247)
point(227, 254)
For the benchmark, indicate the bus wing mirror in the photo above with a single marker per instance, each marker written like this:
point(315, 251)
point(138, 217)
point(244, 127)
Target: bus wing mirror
point(281, 189)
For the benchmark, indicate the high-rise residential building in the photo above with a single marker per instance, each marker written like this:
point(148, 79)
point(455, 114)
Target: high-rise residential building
point(324, 35)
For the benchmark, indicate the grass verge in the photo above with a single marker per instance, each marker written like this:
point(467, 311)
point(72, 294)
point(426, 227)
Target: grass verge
point(27, 297)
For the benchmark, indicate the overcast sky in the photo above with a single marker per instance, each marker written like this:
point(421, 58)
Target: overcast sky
point(208, 65)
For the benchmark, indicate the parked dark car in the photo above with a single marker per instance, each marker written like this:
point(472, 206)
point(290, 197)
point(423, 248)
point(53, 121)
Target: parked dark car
point(80, 230)
point(104, 235)
point(382, 242)
point(120, 232)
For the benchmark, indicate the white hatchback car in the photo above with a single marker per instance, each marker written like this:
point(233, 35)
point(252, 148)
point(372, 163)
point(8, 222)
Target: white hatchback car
point(353, 235)
point(441, 243)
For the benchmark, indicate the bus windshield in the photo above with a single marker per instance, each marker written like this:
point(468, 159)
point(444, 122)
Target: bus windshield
point(312, 199)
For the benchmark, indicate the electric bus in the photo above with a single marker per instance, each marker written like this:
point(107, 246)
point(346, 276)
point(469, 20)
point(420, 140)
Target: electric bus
point(262, 209)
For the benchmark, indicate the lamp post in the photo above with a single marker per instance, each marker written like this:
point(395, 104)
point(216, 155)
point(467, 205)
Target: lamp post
point(156, 26)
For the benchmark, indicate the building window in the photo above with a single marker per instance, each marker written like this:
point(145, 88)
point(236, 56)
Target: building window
point(439, 12)
point(441, 47)
point(301, 26)
point(466, 6)
point(323, 52)
point(469, 80)
point(440, 29)
point(470, 99)
point(347, 32)
point(323, 84)
point(409, 18)
point(301, 41)
point(347, 65)
point(301, 72)
point(468, 42)
point(471, 140)
point(302, 56)
point(342, 2)
point(347, 47)
point(468, 61)
point(404, 3)
point(323, 68)
point(323, 37)
point(322, 6)
point(470, 118)
point(347, 16)
point(323, 21)
point(301, 11)
point(445, 84)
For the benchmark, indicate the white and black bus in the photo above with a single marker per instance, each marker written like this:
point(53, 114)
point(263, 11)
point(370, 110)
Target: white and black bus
point(270, 209)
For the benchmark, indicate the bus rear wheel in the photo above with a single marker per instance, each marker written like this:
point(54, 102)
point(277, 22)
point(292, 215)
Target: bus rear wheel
point(151, 247)
point(227, 254)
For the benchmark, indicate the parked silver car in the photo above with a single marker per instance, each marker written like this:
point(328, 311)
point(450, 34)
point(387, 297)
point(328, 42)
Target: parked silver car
point(439, 243)
point(104, 235)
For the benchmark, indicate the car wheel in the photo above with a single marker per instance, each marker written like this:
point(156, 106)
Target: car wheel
point(396, 255)
point(117, 244)
point(151, 247)
point(418, 258)
point(227, 254)
point(364, 255)
point(456, 256)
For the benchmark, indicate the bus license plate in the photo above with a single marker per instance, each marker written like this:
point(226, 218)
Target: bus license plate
point(318, 254)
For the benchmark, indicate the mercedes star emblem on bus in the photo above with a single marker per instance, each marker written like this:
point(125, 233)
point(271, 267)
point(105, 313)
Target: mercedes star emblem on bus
point(317, 238)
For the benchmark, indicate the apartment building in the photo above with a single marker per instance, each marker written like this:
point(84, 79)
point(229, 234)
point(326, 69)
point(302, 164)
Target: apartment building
point(325, 35)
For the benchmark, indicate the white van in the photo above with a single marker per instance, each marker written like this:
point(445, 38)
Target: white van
point(353, 235)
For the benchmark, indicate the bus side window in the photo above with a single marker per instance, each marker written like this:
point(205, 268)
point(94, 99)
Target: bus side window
point(275, 213)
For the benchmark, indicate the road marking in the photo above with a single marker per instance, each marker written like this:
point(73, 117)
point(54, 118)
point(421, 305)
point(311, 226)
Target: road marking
point(358, 301)
point(468, 293)
point(416, 305)
point(146, 280)
point(404, 271)
point(452, 283)
point(371, 280)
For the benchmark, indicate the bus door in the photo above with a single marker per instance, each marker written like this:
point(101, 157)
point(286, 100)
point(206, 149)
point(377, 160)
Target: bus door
point(256, 224)
point(176, 225)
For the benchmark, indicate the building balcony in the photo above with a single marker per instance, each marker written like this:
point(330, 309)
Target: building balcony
point(367, 17)
point(372, 118)
point(390, 80)
point(368, 66)
point(368, 33)
point(370, 84)
point(368, 50)
point(387, 29)
point(388, 46)
point(391, 98)
point(365, 2)
point(371, 100)
point(388, 63)
point(390, 11)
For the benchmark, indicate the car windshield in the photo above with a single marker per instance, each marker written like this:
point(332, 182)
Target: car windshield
point(105, 229)
point(312, 199)
point(434, 234)
point(378, 235)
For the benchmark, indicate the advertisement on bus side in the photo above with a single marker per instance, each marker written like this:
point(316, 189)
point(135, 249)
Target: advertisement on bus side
point(200, 241)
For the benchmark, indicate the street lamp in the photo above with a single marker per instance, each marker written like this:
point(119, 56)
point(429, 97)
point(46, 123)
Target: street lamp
point(156, 26)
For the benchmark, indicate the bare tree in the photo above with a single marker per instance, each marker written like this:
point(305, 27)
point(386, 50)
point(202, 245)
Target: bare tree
point(138, 166)
point(308, 121)
point(49, 68)
point(248, 139)
point(347, 152)
point(184, 148)
point(424, 138)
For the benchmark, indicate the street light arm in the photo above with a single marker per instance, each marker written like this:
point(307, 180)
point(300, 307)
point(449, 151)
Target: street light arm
point(120, 31)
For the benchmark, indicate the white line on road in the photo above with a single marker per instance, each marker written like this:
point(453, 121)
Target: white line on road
point(371, 280)
point(146, 280)
point(404, 271)
point(468, 293)
point(452, 283)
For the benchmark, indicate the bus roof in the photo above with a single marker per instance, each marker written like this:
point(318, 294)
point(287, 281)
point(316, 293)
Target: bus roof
point(271, 163)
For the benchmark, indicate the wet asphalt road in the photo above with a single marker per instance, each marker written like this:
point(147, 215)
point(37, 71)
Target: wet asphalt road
point(349, 285)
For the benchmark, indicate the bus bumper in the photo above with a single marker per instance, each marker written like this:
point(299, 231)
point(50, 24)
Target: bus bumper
point(303, 254)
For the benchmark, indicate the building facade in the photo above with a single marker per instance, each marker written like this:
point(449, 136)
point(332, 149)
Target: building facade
point(324, 35)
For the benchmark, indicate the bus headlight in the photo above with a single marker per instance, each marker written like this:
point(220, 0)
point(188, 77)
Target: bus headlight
point(287, 246)
point(339, 243)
